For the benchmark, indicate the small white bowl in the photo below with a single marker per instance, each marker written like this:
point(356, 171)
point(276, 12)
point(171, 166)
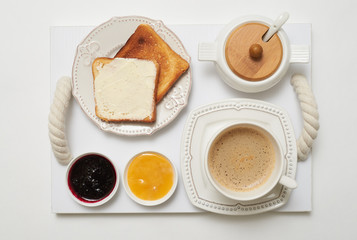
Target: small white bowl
point(83, 201)
point(149, 202)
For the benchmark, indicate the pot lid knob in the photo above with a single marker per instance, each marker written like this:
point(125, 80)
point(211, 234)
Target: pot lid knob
point(256, 51)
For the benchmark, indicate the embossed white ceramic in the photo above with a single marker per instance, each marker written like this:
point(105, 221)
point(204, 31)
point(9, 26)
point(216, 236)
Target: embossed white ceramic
point(105, 41)
point(215, 51)
point(276, 177)
point(203, 123)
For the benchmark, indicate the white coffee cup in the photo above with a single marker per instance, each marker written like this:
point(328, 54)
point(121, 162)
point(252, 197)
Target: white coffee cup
point(277, 176)
point(215, 51)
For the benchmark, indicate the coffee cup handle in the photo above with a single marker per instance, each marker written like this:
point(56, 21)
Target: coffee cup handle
point(207, 51)
point(300, 54)
point(288, 182)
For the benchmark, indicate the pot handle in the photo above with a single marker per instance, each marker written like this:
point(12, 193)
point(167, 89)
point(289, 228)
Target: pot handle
point(207, 51)
point(300, 54)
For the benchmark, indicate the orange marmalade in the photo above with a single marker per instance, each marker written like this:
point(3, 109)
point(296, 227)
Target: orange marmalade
point(150, 176)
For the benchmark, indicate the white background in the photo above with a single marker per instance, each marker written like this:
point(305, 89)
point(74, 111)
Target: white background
point(25, 176)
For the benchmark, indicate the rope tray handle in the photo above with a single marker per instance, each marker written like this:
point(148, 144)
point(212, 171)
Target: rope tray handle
point(309, 113)
point(63, 95)
point(56, 120)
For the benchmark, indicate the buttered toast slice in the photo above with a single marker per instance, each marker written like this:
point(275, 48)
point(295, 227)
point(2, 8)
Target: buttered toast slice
point(145, 43)
point(125, 89)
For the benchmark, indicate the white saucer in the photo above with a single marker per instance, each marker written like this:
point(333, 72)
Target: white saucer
point(203, 123)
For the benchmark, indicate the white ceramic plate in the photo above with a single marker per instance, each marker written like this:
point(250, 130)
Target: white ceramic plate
point(105, 41)
point(200, 127)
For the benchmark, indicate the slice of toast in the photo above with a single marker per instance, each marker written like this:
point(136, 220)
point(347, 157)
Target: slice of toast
point(145, 43)
point(125, 89)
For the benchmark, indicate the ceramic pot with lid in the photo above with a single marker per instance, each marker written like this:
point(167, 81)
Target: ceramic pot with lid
point(249, 61)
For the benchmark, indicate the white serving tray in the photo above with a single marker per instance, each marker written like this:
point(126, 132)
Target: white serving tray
point(84, 136)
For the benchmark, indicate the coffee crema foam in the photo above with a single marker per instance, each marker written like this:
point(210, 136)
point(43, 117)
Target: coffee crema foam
point(241, 159)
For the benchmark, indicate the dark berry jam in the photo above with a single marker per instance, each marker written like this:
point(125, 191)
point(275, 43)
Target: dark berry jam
point(92, 178)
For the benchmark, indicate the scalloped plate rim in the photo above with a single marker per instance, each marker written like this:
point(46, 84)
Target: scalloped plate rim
point(146, 129)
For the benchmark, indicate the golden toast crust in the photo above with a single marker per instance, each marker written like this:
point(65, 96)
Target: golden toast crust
point(145, 43)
